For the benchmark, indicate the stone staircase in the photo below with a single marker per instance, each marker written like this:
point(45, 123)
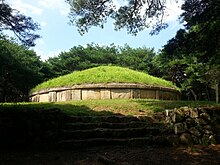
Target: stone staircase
point(112, 130)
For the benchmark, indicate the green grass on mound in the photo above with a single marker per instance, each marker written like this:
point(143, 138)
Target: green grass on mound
point(103, 74)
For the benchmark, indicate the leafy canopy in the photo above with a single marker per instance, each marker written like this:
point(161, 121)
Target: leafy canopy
point(21, 25)
point(20, 70)
point(93, 55)
point(134, 15)
point(193, 54)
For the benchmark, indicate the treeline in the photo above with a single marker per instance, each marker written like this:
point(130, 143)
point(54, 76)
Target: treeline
point(81, 58)
point(21, 69)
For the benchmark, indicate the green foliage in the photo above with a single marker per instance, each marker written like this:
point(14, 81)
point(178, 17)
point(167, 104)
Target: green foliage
point(134, 15)
point(136, 58)
point(21, 25)
point(189, 57)
point(81, 58)
point(20, 70)
point(202, 21)
point(104, 74)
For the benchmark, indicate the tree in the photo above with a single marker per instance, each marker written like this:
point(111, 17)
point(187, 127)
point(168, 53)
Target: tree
point(140, 59)
point(213, 77)
point(135, 15)
point(20, 70)
point(195, 51)
point(21, 25)
point(202, 22)
point(80, 58)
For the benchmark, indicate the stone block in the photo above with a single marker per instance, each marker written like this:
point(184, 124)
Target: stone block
point(195, 131)
point(205, 116)
point(44, 97)
point(179, 116)
point(59, 96)
point(121, 93)
point(52, 96)
point(201, 110)
point(196, 140)
point(201, 121)
point(194, 113)
point(180, 128)
point(208, 139)
point(168, 120)
point(186, 139)
point(105, 94)
point(168, 96)
point(208, 132)
point(147, 94)
point(35, 98)
point(135, 93)
point(91, 94)
point(64, 96)
point(158, 94)
point(167, 112)
point(68, 95)
point(173, 117)
point(190, 122)
point(76, 94)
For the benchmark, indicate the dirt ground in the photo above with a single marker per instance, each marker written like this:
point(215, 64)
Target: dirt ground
point(116, 155)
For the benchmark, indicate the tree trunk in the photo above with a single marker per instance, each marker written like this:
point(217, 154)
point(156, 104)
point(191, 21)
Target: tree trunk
point(217, 93)
point(207, 93)
point(194, 94)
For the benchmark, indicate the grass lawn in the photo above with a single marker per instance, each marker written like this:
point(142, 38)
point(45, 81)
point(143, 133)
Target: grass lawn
point(108, 107)
point(104, 74)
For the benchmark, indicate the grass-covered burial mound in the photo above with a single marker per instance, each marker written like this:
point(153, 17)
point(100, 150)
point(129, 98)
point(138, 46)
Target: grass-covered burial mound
point(104, 82)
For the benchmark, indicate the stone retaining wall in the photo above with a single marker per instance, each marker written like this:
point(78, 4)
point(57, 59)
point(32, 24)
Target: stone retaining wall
point(105, 91)
point(195, 125)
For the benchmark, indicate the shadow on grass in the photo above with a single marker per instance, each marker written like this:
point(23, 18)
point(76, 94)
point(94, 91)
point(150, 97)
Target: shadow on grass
point(37, 126)
point(69, 109)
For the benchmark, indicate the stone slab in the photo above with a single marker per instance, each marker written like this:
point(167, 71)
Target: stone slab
point(52, 96)
point(105, 94)
point(169, 95)
point(135, 93)
point(91, 94)
point(121, 93)
point(158, 94)
point(76, 94)
point(147, 94)
point(64, 96)
point(44, 97)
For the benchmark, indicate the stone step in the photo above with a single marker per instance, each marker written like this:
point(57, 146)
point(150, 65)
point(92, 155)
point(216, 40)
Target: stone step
point(137, 141)
point(109, 133)
point(109, 119)
point(84, 126)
